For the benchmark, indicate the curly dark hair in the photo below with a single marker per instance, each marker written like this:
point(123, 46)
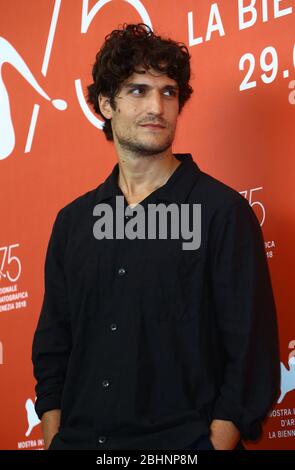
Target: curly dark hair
point(131, 46)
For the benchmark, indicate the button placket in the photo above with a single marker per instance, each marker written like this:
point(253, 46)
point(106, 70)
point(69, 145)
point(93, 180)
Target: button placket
point(122, 269)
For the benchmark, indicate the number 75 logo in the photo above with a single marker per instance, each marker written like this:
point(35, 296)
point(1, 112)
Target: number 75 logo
point(253, 202)
point(9, 260)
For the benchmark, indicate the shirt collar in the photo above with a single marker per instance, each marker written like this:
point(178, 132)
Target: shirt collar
point(175, 189)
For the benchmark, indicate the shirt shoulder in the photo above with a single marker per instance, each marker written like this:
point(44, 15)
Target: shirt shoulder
point(215, 194)
point(79, 206)
point(220, 203)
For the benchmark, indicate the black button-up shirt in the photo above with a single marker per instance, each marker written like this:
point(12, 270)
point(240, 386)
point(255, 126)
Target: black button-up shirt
point(141, 343)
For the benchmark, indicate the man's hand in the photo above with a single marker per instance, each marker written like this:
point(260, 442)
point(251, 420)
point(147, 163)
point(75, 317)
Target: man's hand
point(50, 425)
point(224, 434)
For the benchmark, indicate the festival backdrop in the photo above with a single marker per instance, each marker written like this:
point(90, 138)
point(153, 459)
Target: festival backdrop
point(239, 127)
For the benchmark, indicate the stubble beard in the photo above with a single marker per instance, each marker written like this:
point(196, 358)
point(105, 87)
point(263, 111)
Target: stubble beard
point(142, 149)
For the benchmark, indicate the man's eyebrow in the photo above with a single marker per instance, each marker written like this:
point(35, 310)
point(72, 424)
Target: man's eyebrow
point(145, 85)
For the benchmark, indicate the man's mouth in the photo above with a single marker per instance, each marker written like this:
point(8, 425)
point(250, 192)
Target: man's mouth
point(153, 126)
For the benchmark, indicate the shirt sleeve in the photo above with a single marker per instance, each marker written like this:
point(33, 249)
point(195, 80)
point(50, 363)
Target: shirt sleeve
point(52, 339)
point(247, 323)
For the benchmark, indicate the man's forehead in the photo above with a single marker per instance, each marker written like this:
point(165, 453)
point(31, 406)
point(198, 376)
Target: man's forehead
point(147, 75)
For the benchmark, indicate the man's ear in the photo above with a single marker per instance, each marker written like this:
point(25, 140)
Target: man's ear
point(105, 106)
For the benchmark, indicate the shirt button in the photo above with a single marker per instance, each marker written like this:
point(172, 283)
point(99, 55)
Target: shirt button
point(113, 327)
point(121, 271)
point(102, 439)
point(105, 383)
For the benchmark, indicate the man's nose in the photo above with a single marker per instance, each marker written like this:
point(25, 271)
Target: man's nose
point(155, 103)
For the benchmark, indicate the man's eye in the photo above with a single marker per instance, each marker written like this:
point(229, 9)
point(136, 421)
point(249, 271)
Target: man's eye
point(137, 91)
point(171, 92)
point(140, 91)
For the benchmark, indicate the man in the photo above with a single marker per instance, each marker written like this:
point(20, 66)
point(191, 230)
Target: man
point(142, 343)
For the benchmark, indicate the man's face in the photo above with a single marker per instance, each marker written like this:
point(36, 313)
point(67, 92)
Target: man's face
point(144, 121)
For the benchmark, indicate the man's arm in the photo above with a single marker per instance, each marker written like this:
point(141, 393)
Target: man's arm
point(52, 340)
point(50, 425)
point(247, 327)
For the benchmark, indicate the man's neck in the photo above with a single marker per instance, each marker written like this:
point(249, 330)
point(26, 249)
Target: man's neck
point(139, 176)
